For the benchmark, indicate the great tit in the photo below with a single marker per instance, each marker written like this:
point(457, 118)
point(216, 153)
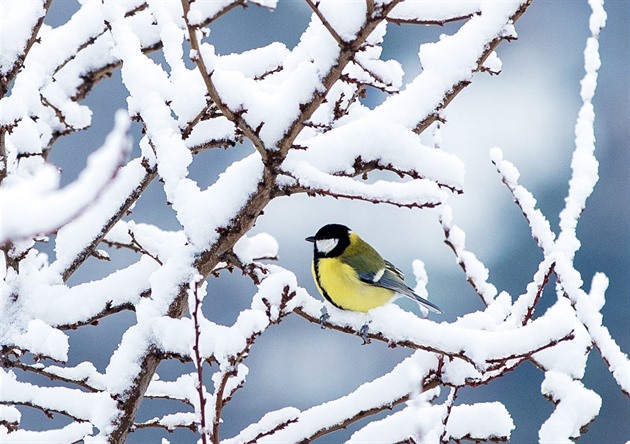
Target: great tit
point(351, 275)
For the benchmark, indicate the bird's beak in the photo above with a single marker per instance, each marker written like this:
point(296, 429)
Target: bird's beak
point(310, 239)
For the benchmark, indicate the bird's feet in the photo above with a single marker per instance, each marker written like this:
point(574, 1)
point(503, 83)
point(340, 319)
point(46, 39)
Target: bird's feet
point(324, 317)
point(364, 331)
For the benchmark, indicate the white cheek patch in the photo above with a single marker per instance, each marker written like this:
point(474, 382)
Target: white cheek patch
point(326, 245)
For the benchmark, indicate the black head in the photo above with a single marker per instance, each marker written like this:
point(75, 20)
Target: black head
point(330, 240)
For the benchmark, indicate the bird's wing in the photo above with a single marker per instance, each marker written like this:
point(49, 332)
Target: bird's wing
point(392, 278)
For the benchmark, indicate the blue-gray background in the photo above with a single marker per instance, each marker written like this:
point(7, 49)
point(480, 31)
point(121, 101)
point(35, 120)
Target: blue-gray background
point(529, 111)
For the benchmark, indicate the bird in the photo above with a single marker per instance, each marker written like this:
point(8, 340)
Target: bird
point(352, 275)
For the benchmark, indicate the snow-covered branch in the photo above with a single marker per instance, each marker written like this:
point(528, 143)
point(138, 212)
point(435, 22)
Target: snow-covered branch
point(296, 118)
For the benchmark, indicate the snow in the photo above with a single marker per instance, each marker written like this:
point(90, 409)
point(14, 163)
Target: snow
point(364, 139)
point(98, 408)
point(398, 383)
point(475, 270)
point(262, 245)
point(158, 243)
point(173, 420)
point(540, 227)
point(430, 10)
point(268, 87)
point(471, 421)
point(183, 388)
point(268, 422)
point(576, 407)
point(473, 346)
point(346, 18)
point(218, 341)
point(85, 371)
point(18, 19)
point(219, 129)
point(256, 62)
point(418, 420)
point(9, 414)
point(118, 288)
point(198, 212)
point(46, 208)
point(445, 64)
point(493, 63)
point(412, 193)
point(74, 236)
point(73, 432)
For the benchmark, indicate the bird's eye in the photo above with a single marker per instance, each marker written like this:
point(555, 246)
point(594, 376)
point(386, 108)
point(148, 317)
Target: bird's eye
point(326, 245)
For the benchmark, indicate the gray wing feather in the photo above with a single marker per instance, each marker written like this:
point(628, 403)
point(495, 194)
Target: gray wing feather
point(393, 279)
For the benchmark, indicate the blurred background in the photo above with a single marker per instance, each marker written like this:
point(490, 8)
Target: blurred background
point(529, 111)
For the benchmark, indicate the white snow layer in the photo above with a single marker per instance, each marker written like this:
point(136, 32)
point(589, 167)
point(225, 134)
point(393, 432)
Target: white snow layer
point(37, 206)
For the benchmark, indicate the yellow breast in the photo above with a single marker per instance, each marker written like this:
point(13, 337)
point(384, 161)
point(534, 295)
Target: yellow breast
point(339, 283)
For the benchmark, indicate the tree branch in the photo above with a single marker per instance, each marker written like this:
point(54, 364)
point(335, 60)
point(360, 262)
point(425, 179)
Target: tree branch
point(459, 87)
point(6, 79)
point(326, 23)
point(234, 116)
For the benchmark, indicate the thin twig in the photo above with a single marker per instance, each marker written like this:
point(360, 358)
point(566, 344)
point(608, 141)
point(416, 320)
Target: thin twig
point(431, 381)
point(452, 396)
point(459, 87)
point(48, 374)
point(235, 116)
point(286, 190)
point(198, 361)
point(380, 337)
point(541, 287)
point(441, 22)
point(6, 79)
point(326, 23)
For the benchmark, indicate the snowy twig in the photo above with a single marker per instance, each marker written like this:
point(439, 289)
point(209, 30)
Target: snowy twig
point(201, 115)
point(337, 186)
point(44, 213)
point(326, 23)
point(235, 116)
point(569, 336)
point(475, 271)
point(418, 373)
point(7, 76)
point(222, 395)
point(51, 374)
point(426, 22)
point(546, 270)
point(227, 7)
point(254, 270)
point(461, 85)
point(94, 319)
point(127, 202)
point(540, 228)
point(379, 336)
point(219, 398)
point(198, 359)
point(362, 168)
point(616, 360)
point(169, 423)
point(452, 396)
